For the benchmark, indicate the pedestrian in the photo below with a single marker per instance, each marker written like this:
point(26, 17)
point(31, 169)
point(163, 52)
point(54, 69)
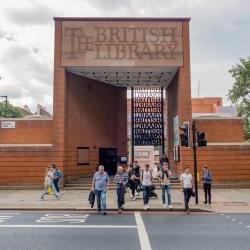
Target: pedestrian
point(57, 177)
point(207, 184)
point(48, 183)
point(121, 179)
point(100, 186)
point(134, 178)
point(146, 180)
point(186, 183)
point(164, 177)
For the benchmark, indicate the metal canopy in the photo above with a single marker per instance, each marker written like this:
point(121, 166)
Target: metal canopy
point(128, 77)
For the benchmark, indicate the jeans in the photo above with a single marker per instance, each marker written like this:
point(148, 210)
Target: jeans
point(46, 190)
point(207, 191)
point(187, 194)
point(146, 193)
point(101, 199)
point(56, 181)
point(165, 188)
point(120, 191)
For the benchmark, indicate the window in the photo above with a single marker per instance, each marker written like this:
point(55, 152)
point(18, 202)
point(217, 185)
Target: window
point(83, 156)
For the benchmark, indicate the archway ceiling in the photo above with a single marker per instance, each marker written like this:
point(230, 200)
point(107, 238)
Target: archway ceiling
point(128, 76)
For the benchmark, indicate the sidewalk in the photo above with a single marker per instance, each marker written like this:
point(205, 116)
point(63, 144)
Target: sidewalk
point(223, 201)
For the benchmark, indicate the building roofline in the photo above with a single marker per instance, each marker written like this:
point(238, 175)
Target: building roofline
point(172, 19)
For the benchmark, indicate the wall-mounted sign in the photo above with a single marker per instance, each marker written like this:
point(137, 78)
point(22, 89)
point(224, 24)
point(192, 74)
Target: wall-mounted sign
point(122, 43)
point(6, 124)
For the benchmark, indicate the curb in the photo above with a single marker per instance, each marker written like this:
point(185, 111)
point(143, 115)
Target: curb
point(108, 210)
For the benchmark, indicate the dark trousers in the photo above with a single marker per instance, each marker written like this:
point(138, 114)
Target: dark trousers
point(207, 191)
point(146, 194)
point(133, 186)
point(187, 194)
point(120, 191)
point(56, 181)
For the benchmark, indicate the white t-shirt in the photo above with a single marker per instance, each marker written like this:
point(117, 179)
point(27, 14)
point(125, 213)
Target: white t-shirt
point(146, 178)
point(187, 180)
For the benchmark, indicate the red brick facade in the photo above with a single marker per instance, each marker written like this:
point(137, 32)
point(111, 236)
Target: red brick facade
point(89, 113)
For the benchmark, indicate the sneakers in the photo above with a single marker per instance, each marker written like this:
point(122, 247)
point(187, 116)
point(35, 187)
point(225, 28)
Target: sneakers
point(164, 206)
point(170, 206)
point(104, 213)
point(145, 207)
point(119, 211)
point(133, 198)
point(58, 197)
point(41, 199)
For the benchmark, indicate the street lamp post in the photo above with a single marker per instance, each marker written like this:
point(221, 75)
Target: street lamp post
point(6, 102)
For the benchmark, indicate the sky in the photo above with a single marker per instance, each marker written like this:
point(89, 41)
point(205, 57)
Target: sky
point(219, 37)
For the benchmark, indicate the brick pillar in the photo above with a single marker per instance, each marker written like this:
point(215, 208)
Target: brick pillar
point(59, 99)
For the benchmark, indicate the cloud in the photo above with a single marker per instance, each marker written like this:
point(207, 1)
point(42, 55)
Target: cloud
point(25, 65)
point(36, 14)
point(8, 36)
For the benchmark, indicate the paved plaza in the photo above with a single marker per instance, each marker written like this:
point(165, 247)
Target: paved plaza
point(223, 200)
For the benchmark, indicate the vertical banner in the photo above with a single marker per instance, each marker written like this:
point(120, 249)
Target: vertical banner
point(176, 139)
point(176, 131)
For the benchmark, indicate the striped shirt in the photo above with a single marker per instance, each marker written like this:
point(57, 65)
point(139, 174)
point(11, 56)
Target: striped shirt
point(123, 177)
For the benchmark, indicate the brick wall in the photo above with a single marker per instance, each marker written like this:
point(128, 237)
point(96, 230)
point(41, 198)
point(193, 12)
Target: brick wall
point(27, 131)
point(179, 96)
point(25, 165)
point(221, 130)
point(96, 117)
point(226, 162)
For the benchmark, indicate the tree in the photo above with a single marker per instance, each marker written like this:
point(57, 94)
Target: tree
point(240, 92)
point(11, 111)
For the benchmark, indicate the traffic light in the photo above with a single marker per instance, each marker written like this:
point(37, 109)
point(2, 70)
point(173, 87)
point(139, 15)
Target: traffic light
point(201, 140)
point(185, 141)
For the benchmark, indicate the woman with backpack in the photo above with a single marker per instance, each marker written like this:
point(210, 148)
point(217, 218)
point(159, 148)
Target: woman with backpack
point(146, 181)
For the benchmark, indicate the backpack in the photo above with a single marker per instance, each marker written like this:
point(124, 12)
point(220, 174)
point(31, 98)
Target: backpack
point(58, 174)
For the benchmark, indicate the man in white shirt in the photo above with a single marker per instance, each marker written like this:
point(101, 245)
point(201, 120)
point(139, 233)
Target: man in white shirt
point(186, 187)
point(146, 181)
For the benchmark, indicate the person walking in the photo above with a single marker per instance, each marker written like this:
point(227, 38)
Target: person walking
point(164, 178)
point(121, 179)
point(146, 180)
point(48, 182)
point(207, 184)
point(100, 186)
point(134, 178)
point(186, 183)
point(57, 177)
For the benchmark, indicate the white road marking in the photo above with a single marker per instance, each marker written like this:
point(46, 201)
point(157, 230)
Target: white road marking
point(228, 217)
point(247, 226)
point(233, 219)
point(69, 226)
point(6, 216)
point(240, 223)
point(57, 218)
point(143, 236)
point(221, 214)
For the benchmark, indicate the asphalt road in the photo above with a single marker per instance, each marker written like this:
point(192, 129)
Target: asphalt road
point(130, 231)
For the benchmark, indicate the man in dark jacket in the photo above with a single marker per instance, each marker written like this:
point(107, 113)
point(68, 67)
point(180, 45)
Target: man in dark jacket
point(207, 183)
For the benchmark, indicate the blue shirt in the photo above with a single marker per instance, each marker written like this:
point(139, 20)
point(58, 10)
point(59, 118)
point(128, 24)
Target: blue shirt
point(101, 180)
point(207, 177)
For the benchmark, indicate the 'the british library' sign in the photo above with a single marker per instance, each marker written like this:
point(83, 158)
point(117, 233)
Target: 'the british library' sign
point(122, 43)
